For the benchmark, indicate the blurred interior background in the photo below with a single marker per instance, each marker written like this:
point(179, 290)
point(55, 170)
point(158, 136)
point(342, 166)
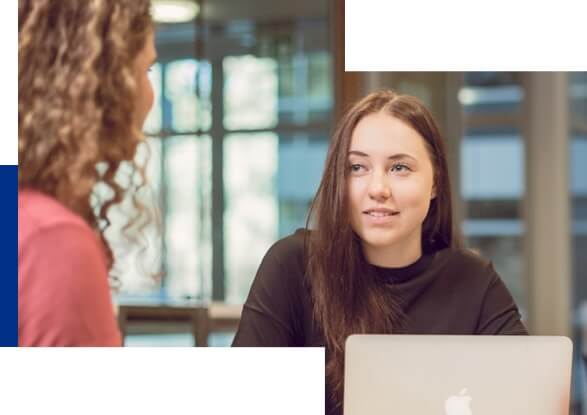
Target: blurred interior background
point(247, 94)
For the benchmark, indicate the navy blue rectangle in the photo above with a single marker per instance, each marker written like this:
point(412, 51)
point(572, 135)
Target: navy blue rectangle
point(9, 255)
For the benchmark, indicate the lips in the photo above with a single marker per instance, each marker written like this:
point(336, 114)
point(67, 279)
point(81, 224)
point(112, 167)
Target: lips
point(380, 216)
point(380, 212)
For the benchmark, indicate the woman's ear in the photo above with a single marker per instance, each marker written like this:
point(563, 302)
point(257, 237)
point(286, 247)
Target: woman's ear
point(433, 193)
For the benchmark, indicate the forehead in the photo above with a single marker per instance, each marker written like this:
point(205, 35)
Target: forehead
point(385, 135)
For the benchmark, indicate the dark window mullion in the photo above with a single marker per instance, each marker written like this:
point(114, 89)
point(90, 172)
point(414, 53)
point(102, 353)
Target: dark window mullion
point(217, 136)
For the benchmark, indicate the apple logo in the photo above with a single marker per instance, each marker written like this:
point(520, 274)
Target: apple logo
point(459, 404)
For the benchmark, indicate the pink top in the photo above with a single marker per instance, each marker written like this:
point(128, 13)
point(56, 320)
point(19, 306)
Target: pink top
point(63, 291)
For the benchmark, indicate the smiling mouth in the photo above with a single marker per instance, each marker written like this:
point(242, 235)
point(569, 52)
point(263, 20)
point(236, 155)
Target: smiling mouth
point(380, 214)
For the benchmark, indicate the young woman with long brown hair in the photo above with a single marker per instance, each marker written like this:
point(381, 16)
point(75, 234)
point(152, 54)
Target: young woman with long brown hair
point(83, 95)
point(381, 256)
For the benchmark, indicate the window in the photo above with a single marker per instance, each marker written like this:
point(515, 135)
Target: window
point(578, 188)
point(238, 136)
point(492, 172)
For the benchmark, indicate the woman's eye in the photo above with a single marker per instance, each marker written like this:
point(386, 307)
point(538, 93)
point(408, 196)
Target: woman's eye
point(356, 167)
point(400, 168)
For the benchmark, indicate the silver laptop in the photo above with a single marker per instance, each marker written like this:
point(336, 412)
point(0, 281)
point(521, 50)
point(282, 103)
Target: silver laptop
point(457, 375)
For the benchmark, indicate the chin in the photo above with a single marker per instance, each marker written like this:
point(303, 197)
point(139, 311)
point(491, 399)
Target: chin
point(379, 239)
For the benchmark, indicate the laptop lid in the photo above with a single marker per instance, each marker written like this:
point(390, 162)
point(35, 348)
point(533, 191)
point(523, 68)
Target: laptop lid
point(457, 375)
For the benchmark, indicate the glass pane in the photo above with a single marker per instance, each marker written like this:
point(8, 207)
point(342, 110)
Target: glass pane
point(251, 207)
point(578, 185)
point(187, 112)
point(492, 167)
point(493, 174)
point(491, 92)
point(153, 121)
point(250, 92)
point(305, 87)
point(301, 163)
point(188, 242)
point(138, 263)
point(578, 95)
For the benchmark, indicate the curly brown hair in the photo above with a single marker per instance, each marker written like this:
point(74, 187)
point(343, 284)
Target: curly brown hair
point(76, 103)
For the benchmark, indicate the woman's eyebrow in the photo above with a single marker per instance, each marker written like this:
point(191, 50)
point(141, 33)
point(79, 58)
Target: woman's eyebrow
point(393, 157)
point(401, 156)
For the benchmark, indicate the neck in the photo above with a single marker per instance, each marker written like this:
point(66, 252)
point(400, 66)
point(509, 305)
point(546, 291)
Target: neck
point(394, 256)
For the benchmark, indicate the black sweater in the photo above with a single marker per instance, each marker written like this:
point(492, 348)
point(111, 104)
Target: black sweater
point(451, 291)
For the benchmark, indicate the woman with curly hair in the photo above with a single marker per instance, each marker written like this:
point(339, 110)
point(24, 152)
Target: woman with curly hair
point(381, 256)
point(83, 95)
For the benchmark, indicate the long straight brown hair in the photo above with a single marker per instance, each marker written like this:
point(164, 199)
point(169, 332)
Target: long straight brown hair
point(346, 296)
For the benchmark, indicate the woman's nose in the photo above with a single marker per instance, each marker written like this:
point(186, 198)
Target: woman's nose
point(379, 188)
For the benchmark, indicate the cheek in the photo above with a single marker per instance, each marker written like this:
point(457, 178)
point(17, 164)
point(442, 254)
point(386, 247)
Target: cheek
point(355, 191)
point(151, 97)
point(414, 195)
point(146, 93)
point(145, 98)
point(355, 203)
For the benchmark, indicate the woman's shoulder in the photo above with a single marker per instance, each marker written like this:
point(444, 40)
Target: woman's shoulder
point(284, 263)
point(40, 212)
point(466, 257)
point(42, 219)
point(290, 248)
point(466, 263)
